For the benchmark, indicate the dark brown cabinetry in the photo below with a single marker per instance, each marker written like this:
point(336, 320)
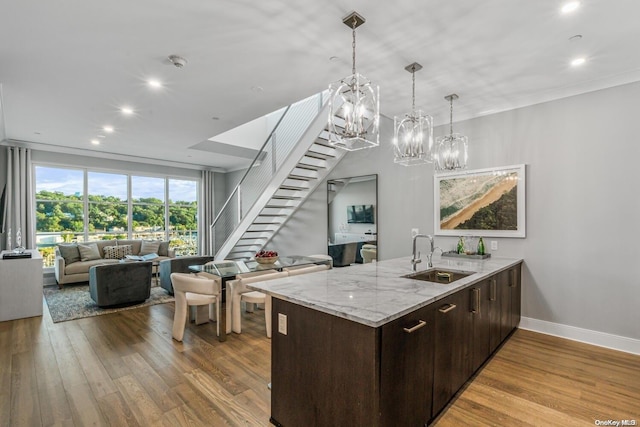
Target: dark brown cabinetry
point(329, 371)
point(407, 348)
point(451, 351)
point(510, 294)
point(480, 309)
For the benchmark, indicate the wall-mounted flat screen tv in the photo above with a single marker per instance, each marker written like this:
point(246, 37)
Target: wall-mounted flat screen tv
point(360, 214)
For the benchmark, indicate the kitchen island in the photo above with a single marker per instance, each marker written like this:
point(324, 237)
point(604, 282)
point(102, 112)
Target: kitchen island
point(365, 346)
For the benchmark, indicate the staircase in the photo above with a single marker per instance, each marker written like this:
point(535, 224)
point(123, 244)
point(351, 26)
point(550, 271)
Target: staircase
point(293, 161)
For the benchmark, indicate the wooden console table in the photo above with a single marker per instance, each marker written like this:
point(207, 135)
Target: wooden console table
point(21, 287)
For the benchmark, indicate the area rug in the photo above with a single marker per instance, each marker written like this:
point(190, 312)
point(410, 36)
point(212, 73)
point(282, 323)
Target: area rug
point(74, 302)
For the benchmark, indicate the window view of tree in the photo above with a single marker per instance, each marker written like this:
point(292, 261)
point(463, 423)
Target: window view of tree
point(183, 213)
point(108, 207)
point(111, 213)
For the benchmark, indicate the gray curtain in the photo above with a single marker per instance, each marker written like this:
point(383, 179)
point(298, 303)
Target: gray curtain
point(207, 212)
point(19, 199)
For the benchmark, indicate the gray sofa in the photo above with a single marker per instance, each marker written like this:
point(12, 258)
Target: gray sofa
point(178, 265)
point(120, 284)
point(71, 268)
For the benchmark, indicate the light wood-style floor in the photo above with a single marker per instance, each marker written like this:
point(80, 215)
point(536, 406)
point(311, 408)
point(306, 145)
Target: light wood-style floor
point(124, 369)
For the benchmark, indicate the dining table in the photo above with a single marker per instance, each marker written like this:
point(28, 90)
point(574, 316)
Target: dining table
point(228, 270)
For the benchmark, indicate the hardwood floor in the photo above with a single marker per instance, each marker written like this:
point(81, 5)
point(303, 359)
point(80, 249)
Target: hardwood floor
point(124, 369)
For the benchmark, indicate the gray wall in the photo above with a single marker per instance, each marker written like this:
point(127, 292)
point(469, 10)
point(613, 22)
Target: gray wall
point(3, 181)
point(582, 205)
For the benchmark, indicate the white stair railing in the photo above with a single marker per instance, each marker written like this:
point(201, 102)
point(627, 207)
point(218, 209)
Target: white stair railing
point(285, 135)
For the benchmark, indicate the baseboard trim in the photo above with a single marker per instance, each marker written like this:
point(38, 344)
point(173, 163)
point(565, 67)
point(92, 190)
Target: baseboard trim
point(601, 339)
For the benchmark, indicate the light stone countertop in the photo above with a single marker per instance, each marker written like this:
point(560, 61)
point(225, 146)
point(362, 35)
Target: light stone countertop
point(376, 293)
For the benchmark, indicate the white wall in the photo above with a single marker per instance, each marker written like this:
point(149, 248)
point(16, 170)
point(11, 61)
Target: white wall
point(583, 206)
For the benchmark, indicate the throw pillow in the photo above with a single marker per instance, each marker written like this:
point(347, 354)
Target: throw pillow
point(70, 253)
point(149, 247)
point(163, 250)
point(117, 252)
point(89, 252)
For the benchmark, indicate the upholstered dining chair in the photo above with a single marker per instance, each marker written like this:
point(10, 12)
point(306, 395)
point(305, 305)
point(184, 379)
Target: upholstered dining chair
point(369, 253)
point(227, 292)
point(240, 293)
point(294, 271)
point(191, 290)
point(325, 257)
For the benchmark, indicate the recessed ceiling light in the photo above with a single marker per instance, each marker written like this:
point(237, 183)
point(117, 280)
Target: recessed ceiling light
point(570, 7)
point(126, 110)
point(154, 83)
point(334, 58)
point(578, 61)
point(95, 142)
point(575, 38)
point(108, 129)
point(101, 136)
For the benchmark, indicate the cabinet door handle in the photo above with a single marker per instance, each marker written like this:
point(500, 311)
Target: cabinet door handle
point(421, 323)
point(476, 300)
point(494, 286)
point(445, 309)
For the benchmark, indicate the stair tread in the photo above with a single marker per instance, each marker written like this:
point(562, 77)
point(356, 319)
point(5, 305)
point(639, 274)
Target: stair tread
point(286, 197)
point(292, 187)
point(300, 177)
point(309, 167)
point(319, 156)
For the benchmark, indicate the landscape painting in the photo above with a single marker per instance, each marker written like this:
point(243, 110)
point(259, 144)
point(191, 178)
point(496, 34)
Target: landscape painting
point(487, 202)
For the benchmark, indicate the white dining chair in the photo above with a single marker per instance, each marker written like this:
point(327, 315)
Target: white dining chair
point(240, 293)
point(227, 293)
point(194, 291)
point(304, 269)
point(325, 257)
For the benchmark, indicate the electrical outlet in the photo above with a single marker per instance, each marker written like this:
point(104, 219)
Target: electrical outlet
point(494, 245)
point(414, 231)
point(282, 323)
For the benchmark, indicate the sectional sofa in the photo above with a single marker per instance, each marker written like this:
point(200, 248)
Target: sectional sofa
point(74, 260)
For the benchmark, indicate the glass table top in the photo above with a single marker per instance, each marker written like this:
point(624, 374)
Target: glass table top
point(226, 269)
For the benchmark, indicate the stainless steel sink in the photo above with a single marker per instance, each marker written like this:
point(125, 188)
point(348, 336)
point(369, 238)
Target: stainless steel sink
point(439, 275)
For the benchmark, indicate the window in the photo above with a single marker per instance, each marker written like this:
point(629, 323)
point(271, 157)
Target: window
point(81, 205)
point(183, 215)
point(107, 206)
point(148, 219)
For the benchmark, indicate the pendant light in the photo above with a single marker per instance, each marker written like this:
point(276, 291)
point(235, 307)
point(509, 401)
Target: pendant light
point(451, 150)
point(354, 110)
point(413, 133)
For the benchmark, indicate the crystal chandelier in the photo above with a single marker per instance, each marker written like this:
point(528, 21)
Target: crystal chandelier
point(354, 110)
point(413, 133)
point(451, 150)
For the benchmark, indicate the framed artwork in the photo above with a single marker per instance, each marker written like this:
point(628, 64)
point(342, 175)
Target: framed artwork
point(483, 202)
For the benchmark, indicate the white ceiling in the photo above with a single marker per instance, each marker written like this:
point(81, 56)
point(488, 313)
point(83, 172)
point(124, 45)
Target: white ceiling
point(66, 67)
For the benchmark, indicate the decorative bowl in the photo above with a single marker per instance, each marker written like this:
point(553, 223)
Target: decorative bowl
point(266, 259)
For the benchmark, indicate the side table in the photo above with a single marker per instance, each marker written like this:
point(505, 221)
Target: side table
point(21, 286)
